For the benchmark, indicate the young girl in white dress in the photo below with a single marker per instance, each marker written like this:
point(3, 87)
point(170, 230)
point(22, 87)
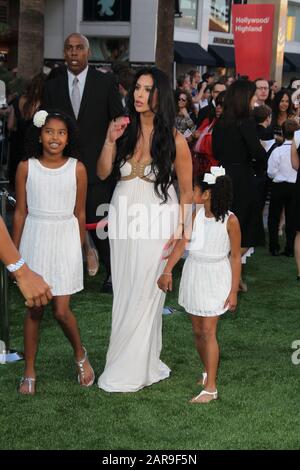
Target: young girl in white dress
point(210, 280)
point(49, 228)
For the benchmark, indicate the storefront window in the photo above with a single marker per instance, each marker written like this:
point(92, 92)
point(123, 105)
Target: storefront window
point(293, 23)
point(109, 49)
point(106, 10)
point(220, 15)
point(189, 9)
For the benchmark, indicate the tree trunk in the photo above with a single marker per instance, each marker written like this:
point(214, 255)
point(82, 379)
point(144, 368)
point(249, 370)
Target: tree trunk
point(164, 56)
point(31, 38)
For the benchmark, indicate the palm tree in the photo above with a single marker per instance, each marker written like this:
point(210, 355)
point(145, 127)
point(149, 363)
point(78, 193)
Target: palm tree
point(164, 56)
point(31, 38)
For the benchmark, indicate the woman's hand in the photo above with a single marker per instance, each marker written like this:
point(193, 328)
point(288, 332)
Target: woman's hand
point(231, 301)
point(33, 287)
point(165, 282)
point(184, 112)
point(117, 128)
point(168, 248)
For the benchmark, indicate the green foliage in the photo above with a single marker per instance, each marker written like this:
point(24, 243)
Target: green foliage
point(5, 75)
point(13, 84)
point(257, 382)
point(17, 85)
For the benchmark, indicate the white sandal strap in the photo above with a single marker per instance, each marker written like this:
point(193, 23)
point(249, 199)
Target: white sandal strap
point(82, 361)
point(81, 369)
point(204, 377)
point(205, 392)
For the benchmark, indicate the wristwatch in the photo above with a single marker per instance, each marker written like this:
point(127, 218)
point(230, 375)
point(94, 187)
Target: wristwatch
point(14, 267)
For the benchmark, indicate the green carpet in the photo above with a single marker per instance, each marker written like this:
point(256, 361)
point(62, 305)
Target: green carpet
point(258, 383)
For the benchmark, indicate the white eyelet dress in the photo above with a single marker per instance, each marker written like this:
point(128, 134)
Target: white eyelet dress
point(50, 242)
point(206, 277)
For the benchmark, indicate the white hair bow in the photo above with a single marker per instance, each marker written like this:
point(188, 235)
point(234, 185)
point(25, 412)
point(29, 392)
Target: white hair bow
point(215, 172)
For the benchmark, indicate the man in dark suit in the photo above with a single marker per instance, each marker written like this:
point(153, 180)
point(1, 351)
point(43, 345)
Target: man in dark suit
point(92, 98)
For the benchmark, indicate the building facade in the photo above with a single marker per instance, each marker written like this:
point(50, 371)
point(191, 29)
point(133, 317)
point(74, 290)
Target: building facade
point(9, 19)
point(126, 30)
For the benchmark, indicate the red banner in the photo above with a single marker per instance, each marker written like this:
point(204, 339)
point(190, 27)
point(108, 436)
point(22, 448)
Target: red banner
point(252, 27)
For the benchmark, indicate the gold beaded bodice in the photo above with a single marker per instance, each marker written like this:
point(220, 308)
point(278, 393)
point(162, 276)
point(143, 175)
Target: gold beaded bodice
point(138, 171)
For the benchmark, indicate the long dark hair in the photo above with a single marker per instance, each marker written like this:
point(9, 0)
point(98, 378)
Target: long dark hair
point(237, 101)
point(33, 95)
point(276, 101)
point(162, 149)
point(221, 195)
point(33, 146)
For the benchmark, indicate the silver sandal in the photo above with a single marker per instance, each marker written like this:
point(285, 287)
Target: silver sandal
point(81, 374)
point(31, 385)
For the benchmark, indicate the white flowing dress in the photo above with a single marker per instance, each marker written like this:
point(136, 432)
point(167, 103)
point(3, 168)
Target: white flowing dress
point(206, 276)
point(139, 227)
point(50, 242)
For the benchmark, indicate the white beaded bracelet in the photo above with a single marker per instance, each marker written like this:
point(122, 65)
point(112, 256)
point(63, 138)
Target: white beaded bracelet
point(15, 267)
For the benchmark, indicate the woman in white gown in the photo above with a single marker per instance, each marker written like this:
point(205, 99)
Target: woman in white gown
point(143, 151)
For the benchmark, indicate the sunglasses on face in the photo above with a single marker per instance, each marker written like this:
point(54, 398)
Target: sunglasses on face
point(182, 99)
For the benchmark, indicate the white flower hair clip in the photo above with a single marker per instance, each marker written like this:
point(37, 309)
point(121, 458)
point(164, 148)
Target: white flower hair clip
point(39, 118)
point(215, 172)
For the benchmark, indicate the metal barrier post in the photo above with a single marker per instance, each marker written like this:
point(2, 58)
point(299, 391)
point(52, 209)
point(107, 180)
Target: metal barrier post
point(6, 354)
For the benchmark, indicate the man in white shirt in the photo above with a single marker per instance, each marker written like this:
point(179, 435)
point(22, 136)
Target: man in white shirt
point(297, 138)
point(284, 177)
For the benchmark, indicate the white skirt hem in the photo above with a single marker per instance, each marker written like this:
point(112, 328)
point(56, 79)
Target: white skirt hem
point(198, 313)
point(73, 291)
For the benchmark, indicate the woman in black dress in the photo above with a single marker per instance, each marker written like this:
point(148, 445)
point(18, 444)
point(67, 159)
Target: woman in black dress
point(236, 146)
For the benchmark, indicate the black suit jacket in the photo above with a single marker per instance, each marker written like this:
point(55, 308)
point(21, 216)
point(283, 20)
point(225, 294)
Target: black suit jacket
point(101, 102)
point(206, 112)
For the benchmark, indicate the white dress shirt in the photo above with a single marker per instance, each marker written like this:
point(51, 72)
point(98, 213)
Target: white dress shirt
point(279, 165)
point(297, 138)
point(81, 81)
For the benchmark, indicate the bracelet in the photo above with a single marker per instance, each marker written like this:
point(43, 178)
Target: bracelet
point(109, 144)
point(166, 274)
point(15, 267)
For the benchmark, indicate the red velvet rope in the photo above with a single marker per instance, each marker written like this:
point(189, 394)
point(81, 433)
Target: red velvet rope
point(99, 225)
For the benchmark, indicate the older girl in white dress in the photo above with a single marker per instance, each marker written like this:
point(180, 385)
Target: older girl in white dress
point(209, 282)
point(49, 227)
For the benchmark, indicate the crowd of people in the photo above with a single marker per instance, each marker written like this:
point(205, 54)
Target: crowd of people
point(243, 126)
point(152, 173)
